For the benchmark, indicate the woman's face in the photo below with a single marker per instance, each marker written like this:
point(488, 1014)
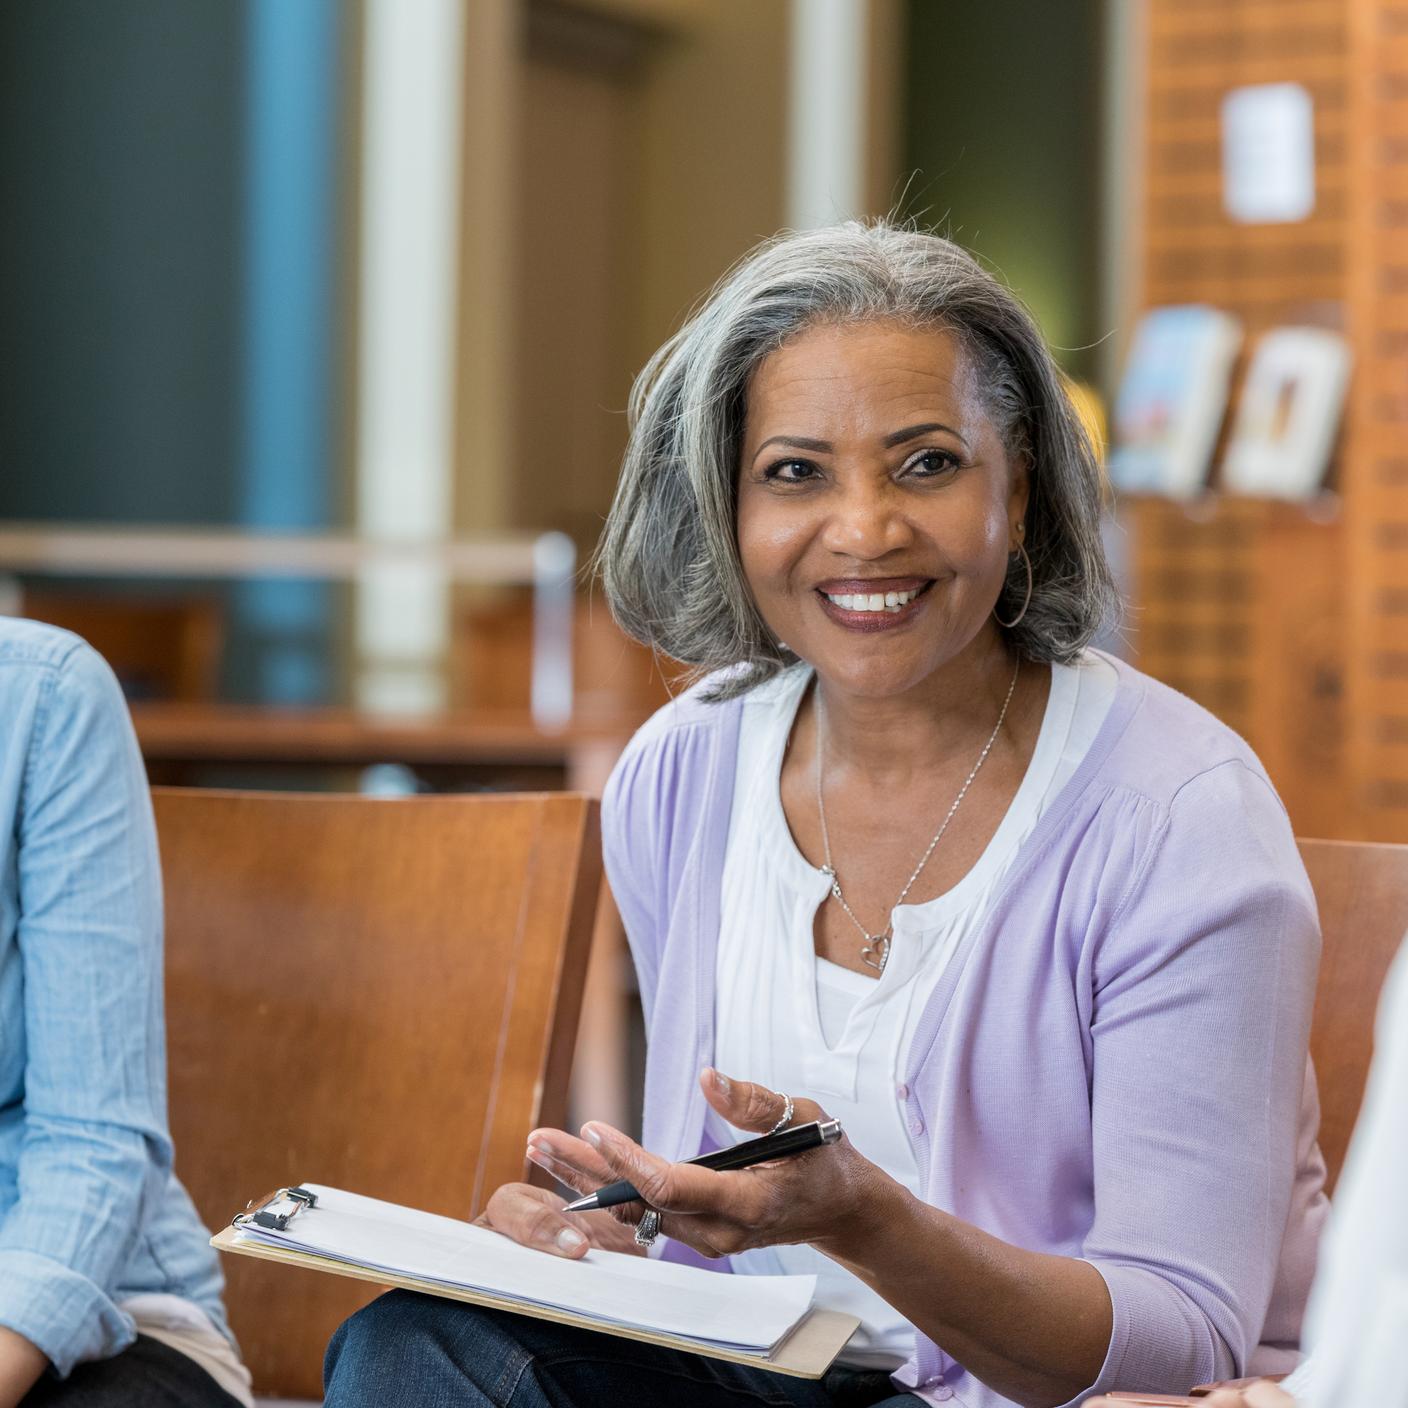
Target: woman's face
point(877, 505)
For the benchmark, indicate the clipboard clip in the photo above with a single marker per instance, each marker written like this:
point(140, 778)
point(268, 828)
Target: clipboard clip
point(260, 1212)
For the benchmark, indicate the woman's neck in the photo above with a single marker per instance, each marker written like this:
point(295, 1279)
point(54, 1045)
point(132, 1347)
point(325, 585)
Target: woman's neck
point(949, 716)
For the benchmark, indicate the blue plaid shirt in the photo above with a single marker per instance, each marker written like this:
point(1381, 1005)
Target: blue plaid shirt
point(90, 1211)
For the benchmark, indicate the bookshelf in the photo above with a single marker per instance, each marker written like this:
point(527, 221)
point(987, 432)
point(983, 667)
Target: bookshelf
point(1290, 624)
point(1376, 511)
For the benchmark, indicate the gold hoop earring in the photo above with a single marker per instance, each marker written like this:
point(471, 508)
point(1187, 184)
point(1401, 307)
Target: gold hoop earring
point(1027, 601)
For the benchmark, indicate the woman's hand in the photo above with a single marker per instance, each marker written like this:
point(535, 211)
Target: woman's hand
point(535, 1218)
point(1259, 1395)
point(819, 1197)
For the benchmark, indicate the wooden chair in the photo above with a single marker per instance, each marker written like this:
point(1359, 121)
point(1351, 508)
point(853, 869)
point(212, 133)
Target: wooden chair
point(1362, 891)
point(381, 995)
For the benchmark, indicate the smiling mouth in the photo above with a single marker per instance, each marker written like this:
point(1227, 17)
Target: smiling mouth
point(874, 604)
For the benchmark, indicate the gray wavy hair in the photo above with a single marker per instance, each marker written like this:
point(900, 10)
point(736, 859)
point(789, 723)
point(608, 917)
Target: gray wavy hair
point(669, 555)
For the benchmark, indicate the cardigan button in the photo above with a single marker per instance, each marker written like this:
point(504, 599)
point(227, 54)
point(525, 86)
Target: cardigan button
point(916, 1125)
point(902, 1090)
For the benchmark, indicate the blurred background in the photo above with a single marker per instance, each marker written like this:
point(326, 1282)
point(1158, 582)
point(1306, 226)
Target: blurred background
point(387, 268)
point(318, 320)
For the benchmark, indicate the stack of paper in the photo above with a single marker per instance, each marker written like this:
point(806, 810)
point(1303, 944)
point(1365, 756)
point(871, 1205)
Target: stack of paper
point(745, 1314)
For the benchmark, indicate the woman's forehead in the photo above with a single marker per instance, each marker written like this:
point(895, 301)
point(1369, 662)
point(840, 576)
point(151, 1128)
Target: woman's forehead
point(860, 372)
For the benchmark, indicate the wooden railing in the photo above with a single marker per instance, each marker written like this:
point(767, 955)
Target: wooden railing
point(546, 562)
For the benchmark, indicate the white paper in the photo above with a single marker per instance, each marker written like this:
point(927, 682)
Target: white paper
point(1268, 153)
point(752, 1314)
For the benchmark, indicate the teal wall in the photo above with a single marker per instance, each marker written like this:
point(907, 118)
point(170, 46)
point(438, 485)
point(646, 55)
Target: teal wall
point(1002, 148)
point(121, 175)
point(169, 247)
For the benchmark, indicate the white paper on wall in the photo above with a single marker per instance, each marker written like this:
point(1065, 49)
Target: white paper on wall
point(1268, 153)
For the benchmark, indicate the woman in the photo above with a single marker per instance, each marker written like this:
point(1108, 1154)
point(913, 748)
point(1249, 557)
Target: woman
point(912, 855)
point(109, 1293)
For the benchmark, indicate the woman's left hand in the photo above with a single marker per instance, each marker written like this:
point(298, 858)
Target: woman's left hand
point(821, 1197)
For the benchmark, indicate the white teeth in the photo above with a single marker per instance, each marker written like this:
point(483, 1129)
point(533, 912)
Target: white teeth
point(890, 602)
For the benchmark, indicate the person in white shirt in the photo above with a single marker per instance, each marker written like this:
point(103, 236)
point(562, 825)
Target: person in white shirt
point(1356, 1332)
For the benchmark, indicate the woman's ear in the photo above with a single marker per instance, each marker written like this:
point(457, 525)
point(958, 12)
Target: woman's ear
point(1018, 499)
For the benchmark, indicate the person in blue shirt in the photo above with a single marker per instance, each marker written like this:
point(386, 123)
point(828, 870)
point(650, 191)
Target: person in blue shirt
point(109, 1291)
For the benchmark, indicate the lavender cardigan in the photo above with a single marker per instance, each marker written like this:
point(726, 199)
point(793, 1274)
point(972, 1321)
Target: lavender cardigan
point(1113, 1068)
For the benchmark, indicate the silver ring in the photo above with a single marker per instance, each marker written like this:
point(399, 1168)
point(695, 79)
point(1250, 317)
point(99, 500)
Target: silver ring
point(648, 1228)
point(786, 1113)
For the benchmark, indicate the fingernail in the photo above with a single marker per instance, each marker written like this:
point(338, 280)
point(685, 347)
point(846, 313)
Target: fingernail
point(721, 1080)
point(569, 1239)
point(592, 1135)
point(539, 1147)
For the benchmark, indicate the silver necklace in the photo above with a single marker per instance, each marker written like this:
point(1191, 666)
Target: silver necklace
point(875, 951)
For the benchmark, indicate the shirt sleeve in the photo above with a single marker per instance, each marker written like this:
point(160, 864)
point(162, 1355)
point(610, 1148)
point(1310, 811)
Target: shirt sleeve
point(1203, 985)
point(95, 1150)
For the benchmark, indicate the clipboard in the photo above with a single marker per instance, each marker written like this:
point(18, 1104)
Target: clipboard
point(807, 1352)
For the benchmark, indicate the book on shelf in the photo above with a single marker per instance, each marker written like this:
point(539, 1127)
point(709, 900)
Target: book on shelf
point(1288, 414)
point(1172, 400)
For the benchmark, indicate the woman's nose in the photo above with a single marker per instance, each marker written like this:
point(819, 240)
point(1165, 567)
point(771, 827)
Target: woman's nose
point(867, 522)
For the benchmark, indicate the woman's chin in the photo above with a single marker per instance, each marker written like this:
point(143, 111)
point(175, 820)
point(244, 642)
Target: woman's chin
point(893, 668)
point(871, 679)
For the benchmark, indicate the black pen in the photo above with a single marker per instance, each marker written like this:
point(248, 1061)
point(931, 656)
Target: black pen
point(752, 1151)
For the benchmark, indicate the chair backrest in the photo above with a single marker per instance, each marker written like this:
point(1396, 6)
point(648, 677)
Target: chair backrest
point(381, 995)
point(1362, 891)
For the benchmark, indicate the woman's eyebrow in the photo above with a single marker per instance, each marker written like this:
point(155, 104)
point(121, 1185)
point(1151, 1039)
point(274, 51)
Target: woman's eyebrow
point(897, 437)
point(802, 442)
point(912, 432)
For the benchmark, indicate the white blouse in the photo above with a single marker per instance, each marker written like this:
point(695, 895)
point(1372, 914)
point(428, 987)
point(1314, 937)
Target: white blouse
point(798, 1023)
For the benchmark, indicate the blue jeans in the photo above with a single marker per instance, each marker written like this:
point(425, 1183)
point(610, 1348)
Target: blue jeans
point(408, 1349)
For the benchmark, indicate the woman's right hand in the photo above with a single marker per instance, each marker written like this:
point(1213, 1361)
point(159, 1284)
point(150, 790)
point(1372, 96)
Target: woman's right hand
point(535, 1218)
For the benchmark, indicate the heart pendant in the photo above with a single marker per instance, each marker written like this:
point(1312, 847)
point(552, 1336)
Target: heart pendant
point(876, 953)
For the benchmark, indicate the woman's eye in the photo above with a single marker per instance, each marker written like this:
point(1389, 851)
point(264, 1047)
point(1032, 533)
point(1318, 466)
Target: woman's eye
point(790, 471)
point(933, 464)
